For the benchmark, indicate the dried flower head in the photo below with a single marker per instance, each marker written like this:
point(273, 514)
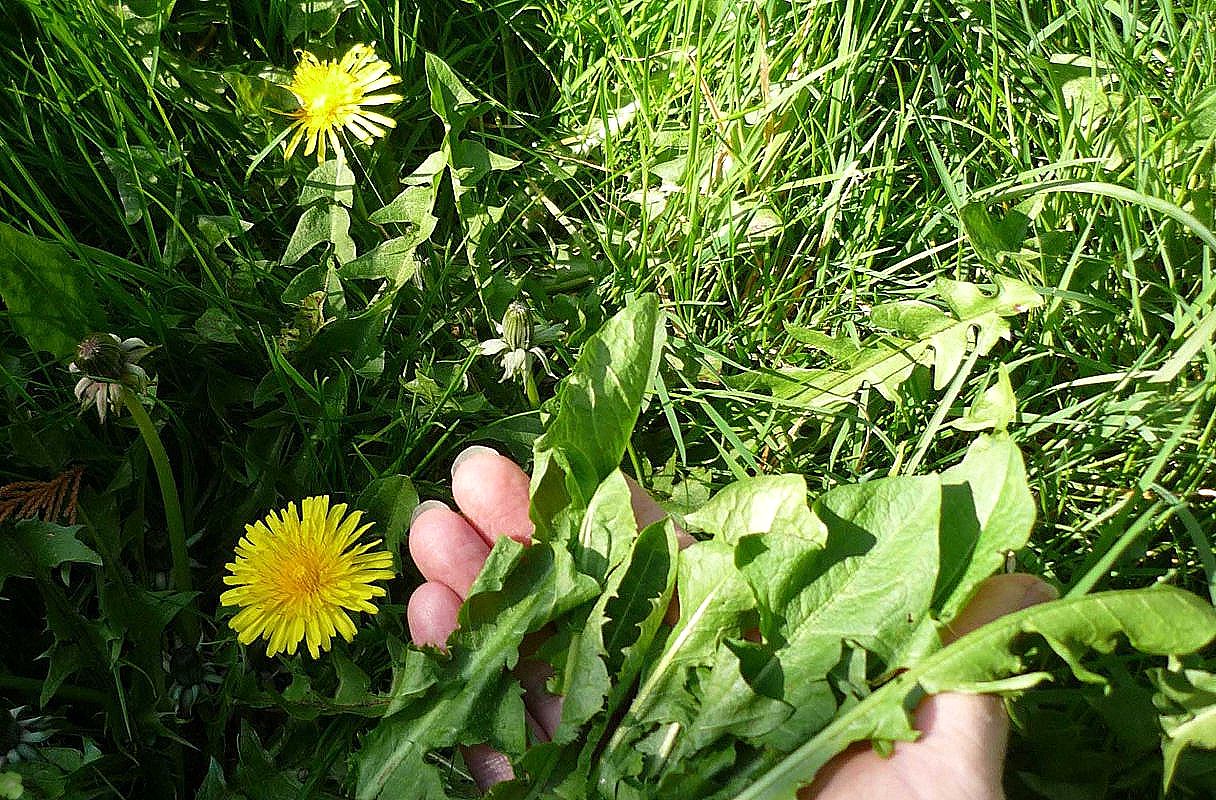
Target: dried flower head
point(109, 366)
point(334, 96)
point(297, 574)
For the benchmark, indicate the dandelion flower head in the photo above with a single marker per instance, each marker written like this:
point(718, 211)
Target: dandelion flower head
point(296, 576)
point(334, 95)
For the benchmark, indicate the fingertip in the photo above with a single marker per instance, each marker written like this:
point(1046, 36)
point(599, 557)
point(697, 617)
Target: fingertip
point(493, 493)
point(446, 549)
point(431, 614)
point(487, 765)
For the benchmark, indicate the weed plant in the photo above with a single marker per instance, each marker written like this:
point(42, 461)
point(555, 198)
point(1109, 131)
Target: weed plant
point(782, 175)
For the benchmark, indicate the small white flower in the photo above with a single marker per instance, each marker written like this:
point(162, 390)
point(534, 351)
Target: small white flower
point(519, 342)
point(108, 366)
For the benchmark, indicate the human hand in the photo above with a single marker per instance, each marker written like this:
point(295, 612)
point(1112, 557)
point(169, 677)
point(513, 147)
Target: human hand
point(961, 750)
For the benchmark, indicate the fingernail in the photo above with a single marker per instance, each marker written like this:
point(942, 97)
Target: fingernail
point(426, 506)
point(469, 452)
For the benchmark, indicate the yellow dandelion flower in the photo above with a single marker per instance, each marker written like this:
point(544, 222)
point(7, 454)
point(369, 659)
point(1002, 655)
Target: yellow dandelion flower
point(334, 95)
point(296, 576)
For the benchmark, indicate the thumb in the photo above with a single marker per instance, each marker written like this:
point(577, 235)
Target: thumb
point(974, 728)
point(961, 749)
point(996, 597)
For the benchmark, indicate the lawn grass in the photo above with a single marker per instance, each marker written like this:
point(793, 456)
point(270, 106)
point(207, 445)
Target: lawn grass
point(767, 168)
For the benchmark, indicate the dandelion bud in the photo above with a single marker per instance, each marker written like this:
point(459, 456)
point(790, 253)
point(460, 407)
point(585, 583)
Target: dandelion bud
point(517, 326)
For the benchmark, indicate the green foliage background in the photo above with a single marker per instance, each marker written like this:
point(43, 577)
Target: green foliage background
point(779, 173)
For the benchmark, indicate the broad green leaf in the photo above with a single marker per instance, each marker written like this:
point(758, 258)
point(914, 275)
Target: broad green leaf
point(989, 238)
point(214, 231)
point(11, 785)
point(764, 504)
point(987, 511)
point(871, 583)
point(48, 297)
point(413, 207)
point(597, 407)
point(353, 682)
point(388, 501)
point(214, 787)
point(314, 17)
point(332, 181)
point(607, 530)
point(995, 407)
point(1162, 620)
point(318, 224)
point(216, 326)
point(1186, 699)
point(450, 100)
point(472, 161)
point(1201, 115)
point(392, 260)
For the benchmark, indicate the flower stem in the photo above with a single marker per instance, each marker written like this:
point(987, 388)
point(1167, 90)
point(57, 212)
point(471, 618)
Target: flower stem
point(530, 388)
point(173, 506)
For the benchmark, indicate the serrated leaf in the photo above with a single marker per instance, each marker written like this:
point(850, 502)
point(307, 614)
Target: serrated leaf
point(730, 705)
point(48, 297)
point(413, 207)
point(912, 318)
point(392, 260)
point(472, 161)
point(837, 348)
point(214, 231)
point(35, 546)
point(619, 628)
point(216, 326)
point(885, 362)
point(713, 597)
point(1162, 620)
point(517, 590)
point(314, 17)
point(969, 302)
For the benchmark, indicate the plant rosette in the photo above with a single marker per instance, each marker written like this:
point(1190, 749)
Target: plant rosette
point(848, 593)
